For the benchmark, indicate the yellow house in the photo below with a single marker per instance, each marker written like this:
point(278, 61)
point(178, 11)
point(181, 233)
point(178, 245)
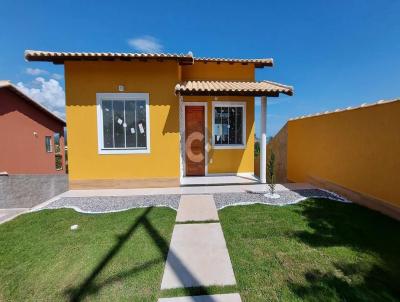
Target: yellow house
point(137, 120)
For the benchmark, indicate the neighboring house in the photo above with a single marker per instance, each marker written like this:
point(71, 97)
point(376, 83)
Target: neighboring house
point(31, 137)
point(153, 119)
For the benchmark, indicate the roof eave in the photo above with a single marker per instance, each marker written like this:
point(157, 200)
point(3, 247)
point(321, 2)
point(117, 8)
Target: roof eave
point(257, 64)
point(262, 65)
point(60, 59)
point(234, 93)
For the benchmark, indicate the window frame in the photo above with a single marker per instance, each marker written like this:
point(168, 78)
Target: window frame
point(229, 104)
point(50, 144)
point(121, 97)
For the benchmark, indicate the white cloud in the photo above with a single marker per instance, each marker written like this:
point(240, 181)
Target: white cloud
point(35, 71)
point(57, 76)
point(48, 93)
point(146, 44)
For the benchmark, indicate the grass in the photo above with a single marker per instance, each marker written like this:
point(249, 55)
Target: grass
point(318, 250)
point(111, 257)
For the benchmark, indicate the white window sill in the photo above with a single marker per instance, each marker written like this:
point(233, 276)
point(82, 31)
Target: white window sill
point(124, 151)
point(229, 147)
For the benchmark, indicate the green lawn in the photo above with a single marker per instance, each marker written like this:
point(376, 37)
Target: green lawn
point(318, 250)
point(111, 257)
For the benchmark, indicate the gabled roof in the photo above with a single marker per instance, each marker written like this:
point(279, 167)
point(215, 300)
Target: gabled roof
point(183, 59)
point(15, 89)
point(263, 88)
point(61, 57)
point(258, 63)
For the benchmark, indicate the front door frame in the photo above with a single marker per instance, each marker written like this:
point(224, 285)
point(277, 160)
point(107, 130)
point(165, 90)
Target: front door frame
point(182, 130)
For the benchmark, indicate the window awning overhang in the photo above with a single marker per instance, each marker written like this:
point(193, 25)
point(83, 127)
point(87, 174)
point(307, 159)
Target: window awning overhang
point(232, 88)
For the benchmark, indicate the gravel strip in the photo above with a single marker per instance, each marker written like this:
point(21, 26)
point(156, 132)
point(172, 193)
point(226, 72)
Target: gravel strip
point(286, 197)
point(105, 204)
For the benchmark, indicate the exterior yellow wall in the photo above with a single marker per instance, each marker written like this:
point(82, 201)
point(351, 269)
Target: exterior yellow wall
point(85, 79)
point(214, 71)
point(356, 149)
point(230, 160)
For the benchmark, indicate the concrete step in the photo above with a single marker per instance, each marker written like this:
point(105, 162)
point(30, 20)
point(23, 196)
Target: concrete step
point(211, 298)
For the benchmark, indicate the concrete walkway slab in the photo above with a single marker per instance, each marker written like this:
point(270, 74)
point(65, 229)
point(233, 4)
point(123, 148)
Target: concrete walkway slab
point(212, 298)
point(196, 208)
point(9, 214)
point(198, 256)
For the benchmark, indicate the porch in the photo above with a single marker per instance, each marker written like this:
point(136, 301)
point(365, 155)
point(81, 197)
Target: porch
point(216, 121)
point(219, 180)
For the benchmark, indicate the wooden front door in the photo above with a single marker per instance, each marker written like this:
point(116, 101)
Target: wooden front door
point(194, 140)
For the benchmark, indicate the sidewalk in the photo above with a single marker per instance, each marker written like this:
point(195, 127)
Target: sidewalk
point(198, 256)
point(9, 214)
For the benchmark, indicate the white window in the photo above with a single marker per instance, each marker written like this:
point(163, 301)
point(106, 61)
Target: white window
point(123, 123)
point(229, 125)
point(48, 145)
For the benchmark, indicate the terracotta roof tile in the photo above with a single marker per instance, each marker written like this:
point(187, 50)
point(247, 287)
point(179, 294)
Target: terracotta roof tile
point(263, 88)
point(259, 63)
point(60, 57)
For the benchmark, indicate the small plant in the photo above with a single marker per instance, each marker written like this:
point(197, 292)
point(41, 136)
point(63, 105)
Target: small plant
point(58, 161)
point(256, 149)
point(271, 173)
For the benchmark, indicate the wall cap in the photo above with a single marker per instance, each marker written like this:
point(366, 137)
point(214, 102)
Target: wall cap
point(363, 105)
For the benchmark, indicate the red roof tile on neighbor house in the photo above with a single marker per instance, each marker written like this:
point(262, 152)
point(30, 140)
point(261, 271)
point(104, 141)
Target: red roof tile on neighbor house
point(15, 89)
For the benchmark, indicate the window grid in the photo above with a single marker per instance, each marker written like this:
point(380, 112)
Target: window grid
point(48, 144)
point(113, 119)
point(124, 123)
point(135, 124)
point(221, 128)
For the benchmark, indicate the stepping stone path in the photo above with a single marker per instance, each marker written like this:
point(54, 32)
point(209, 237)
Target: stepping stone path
point(197, 208)
point(198, 256)
point(211, 298)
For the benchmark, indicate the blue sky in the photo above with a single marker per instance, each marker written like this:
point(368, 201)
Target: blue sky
point(335, 53)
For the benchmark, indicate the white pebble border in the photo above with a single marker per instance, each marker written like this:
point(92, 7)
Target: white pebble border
point(114, 204)
point(79, 210)
point(224, 200)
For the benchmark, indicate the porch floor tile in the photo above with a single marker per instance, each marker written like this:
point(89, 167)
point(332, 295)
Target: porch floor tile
point(197, 208)
point(243, 179)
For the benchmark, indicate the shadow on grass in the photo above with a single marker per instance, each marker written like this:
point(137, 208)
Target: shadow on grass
point(348, 225)
point(88, 287)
